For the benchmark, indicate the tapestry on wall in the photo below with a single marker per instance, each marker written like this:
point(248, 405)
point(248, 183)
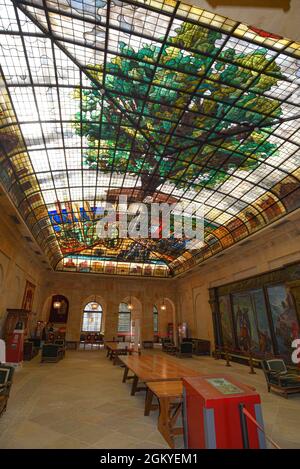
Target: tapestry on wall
point(60, 314)
point(27, 302)
point(226, 321)
point(284, 317)
point(251, 321)
point(260, 313)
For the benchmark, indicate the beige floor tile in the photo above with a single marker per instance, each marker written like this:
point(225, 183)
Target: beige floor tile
point(89, 433)
point(81, 402)
point(116, 440)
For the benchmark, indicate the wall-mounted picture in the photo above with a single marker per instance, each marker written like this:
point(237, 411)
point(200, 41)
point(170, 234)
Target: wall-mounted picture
point(284, 318)
point(27, 302)
point(251, 320)
point(226, 321)
point(246, 330)
point(262, 322)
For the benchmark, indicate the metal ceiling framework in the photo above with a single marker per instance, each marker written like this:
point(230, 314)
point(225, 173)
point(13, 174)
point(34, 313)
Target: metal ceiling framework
point(156, 100)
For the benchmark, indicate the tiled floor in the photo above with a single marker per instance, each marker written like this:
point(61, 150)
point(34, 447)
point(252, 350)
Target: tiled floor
point(81, 402)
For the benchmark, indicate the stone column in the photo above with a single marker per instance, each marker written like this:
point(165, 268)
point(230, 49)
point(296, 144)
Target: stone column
point(147, 322)
point(111, 320)
point(75, 313)
point(213, 301)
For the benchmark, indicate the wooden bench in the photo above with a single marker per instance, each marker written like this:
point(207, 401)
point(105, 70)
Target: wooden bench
point(238, 358)
point(169, 395)
point(116, 349)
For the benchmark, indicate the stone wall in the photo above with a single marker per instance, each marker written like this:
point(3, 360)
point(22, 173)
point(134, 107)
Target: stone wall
point(17, 265)
point(273, 248)
point(110, 292)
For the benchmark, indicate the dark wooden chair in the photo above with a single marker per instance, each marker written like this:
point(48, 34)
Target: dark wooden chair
point(62, 345)
point(165, 343)
point(29, 350)
point(185, 350)
point(36, 342)
point(279, 378)
point(6, 377)
point(170, 348)
point(52, 353)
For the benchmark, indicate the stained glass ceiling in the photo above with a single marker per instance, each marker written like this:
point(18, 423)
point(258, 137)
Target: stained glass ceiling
point(156, 100)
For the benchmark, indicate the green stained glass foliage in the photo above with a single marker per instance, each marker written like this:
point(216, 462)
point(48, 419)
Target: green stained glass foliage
point(205, 133)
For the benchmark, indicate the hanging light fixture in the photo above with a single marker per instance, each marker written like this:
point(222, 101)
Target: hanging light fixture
point(94, 304)
point(56, 304)
point(130, 307)
point(163, 306)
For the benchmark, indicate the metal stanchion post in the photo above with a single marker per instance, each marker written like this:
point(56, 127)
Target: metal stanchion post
point(251, 372)
point(227, 357)
point(217, 353)
point(244, 428)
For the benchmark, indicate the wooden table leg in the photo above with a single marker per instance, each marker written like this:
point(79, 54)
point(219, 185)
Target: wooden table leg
point(134, 385)
point(148, 401)
point(125, 375)
point(115, 358)
point(167, 421)
point(163, 420)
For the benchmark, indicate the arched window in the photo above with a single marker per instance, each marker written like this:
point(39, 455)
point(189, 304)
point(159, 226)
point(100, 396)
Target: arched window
point(124, 318)
point(155, 319)
point(92, 317)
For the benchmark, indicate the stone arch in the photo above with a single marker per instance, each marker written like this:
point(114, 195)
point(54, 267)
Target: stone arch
point(169, 313)
point(46, 309)
point(98, 299)
point(137, 309)
point(136, 314)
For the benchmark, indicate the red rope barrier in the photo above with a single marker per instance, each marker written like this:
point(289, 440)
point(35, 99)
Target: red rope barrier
point(245, 411)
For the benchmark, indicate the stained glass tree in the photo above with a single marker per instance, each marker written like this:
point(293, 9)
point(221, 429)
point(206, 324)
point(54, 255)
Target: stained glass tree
point(192, 112)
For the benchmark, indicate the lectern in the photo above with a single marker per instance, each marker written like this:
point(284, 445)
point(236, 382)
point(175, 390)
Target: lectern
point(214, 417)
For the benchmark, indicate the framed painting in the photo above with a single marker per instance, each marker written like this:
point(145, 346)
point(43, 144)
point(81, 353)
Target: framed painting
point(262, 322)
point(27, 302)
point(284, 318)
point(251, 320)
point(226, 321)
point(244, 316)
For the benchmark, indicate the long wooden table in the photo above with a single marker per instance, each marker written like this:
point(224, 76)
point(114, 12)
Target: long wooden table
point(169, 395)
point(148, 368)
point(115, 349)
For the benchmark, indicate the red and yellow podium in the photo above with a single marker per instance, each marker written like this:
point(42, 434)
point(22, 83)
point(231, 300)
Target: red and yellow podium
point(213, 414)
point(15, 346)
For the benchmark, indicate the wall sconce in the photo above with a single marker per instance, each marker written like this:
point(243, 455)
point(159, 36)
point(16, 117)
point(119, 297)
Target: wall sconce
point(130, 306)
point(94, 305)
